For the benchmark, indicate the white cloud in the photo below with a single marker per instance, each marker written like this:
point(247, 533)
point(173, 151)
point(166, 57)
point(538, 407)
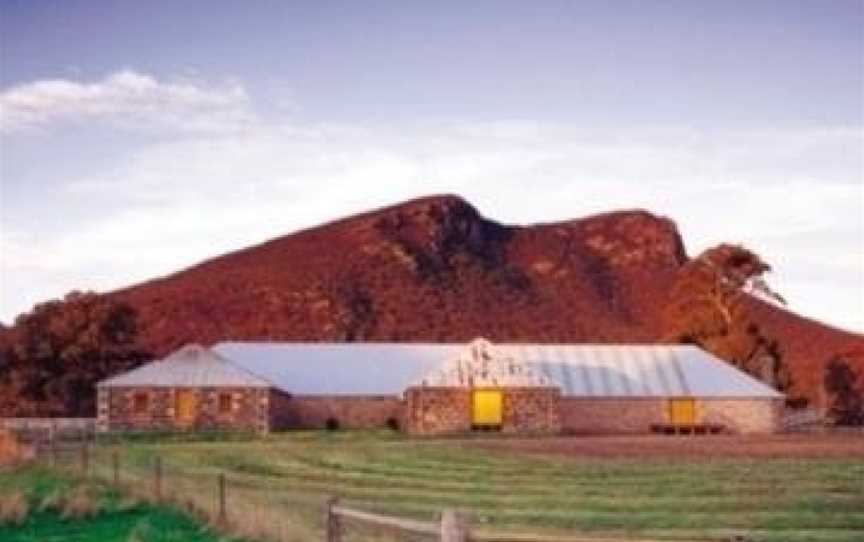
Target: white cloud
point(128, 99)
point(173, 204)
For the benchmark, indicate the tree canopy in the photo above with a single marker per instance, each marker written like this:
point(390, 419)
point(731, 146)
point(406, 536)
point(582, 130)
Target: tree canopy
point(708, 306)
point(53, 355)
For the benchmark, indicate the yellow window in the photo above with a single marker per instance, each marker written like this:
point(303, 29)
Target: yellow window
point(185, 410)
point(487, 407)
point(682, 411)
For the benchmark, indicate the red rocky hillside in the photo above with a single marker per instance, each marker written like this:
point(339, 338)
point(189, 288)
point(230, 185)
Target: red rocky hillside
point(434, 269)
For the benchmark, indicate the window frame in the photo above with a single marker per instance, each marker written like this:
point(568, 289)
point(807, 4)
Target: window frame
point(225, 402)
point(140, 403)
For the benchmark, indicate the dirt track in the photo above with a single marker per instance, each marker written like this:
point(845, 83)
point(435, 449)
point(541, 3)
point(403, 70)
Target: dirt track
point(790, 446)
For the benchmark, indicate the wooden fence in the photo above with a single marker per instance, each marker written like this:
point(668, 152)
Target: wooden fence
point(55, 424)
point(453, 525)
point(42, 431)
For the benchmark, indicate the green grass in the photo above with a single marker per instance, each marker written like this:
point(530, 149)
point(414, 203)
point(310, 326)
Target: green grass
point(287, 477)
point(117, 519)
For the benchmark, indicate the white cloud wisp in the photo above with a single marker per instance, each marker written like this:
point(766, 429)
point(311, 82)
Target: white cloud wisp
point(127, 99)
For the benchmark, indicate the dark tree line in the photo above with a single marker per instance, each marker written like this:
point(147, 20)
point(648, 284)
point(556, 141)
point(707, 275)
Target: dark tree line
point(844, 390)
point(52, 357)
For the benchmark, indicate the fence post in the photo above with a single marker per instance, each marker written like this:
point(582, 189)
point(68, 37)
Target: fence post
point(115, 467)
point(55, 460)
point(332, 524)
point(157, 478)
point(85, 459)
point(52, 433)
point(223, 508)
point(454, 526)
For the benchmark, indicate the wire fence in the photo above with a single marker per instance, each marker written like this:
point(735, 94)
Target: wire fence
point(240, 504)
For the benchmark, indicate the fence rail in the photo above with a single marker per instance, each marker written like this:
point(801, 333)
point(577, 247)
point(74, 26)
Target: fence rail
point(47, 432)
point(15, 424)
point(223, 501)
point(454, 526)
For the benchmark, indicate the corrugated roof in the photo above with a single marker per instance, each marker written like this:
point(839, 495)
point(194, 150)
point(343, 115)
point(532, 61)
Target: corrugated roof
point(192, 366)
point(580, 370)
point(338, 368)
point(637, 371)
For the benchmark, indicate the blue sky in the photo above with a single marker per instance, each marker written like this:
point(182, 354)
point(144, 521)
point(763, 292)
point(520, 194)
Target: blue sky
point(140, 137)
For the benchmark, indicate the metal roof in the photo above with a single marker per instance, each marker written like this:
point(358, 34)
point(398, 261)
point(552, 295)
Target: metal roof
point(192, 366)
point(338, 368)
point(580, 370)
point(637, 371)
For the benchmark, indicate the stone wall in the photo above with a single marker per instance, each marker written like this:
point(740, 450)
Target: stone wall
point(743, 415)
point(616, 415)
point(433, 410)
point(584, 415)
point(249, 410)
point(437, 410)
point(346, 412)
point(531, 410)
point(423, 411)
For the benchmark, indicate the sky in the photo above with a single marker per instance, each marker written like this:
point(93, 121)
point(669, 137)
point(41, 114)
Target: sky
point(138, 138)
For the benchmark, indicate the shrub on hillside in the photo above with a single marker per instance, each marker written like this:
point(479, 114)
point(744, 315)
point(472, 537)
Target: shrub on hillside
point(845, 401)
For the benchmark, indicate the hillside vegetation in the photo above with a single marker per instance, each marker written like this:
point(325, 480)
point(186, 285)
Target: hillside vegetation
point(431, 269)
point(435, 269)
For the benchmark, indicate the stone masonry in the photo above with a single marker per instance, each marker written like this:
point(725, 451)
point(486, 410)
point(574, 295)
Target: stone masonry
point(344, 412)
point(248, 409)
point(616, 415)
point(438, 410)
point(531, 410)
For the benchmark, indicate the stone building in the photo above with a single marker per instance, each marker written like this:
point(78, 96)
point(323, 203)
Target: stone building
point(191, 389)
point(440, 388)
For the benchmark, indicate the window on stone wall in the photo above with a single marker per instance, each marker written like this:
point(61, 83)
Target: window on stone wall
point(140, 402)
point(225, 403)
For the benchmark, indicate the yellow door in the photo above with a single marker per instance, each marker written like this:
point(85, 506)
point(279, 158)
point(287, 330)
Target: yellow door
point(185, 411)
point(487, 407)
point(682, 411)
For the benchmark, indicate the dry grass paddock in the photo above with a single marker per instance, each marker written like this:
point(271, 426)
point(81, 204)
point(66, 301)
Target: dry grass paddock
point(789, 446)
point(777, 488)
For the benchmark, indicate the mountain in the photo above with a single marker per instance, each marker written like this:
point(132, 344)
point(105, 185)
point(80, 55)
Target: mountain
point(435, 269)
point(428, 269)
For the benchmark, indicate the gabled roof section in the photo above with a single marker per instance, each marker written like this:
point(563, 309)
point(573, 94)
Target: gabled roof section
point(481, 364)
point(192, 366)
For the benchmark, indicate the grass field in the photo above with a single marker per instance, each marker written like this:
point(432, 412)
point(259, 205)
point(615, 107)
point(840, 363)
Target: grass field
point(101, 516)
point(283, 480)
